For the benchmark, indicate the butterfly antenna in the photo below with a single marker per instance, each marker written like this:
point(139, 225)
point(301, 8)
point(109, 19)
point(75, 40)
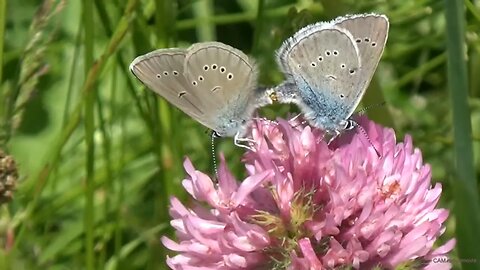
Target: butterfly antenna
point(214, 158)
point(362, 111)
point(364, 132)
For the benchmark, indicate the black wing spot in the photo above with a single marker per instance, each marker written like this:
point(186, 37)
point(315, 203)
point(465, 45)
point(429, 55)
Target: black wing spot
point(205, 67)
point(342, 66)
point(358, 40)
point(165, 73)
point(342, 96)
point(194, 83)
point(313, 64)
point(214, 66)
point(230, 76)
point(181, 94)
point(335, 52)
point(374, 44)
point(216, 88)
point(351, 71)
point(367, 39)
point(222, 69)
point(175, 73)
point(327, 53)
point(331, 77)
point(159, 76)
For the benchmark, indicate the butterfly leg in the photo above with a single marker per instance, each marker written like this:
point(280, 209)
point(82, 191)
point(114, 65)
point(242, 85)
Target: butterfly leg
point(238, 142)
point(299, 123)
point(265, 120)
point(323, 136)
point(296, 117)
point(335, 135)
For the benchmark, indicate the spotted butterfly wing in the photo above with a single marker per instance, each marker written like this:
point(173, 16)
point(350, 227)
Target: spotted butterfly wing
point(323, 62)
point(225, 80)
point(211, 82)
point(370, 32)
point(162, 72)
point(328, 68)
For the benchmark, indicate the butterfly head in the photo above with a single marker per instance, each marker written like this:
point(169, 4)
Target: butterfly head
point(230, 127)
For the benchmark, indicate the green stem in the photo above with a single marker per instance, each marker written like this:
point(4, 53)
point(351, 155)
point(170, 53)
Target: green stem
point(244, 16)
point(202, 10)
point(465, 187)
point(3, 88)
point(421, 70)
point(3, 18)
point(259, 25)
point(89, 124)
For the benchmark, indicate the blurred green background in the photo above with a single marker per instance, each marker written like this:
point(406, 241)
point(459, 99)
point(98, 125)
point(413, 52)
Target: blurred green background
point(99, 155)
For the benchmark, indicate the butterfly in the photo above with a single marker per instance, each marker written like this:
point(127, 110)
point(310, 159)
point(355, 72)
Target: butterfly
point(212, 82)
point(328, 67)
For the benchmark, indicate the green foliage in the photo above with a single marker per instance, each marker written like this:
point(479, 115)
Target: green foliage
point(99, 155)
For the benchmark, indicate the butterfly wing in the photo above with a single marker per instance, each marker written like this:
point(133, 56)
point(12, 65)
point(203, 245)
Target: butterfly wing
point(224, 79)
point(323, 61)
point(162, 71)
point(370, 32)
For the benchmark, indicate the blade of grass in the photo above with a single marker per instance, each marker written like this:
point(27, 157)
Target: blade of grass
point(3, 18)
point(106, 137)
point(122, 158)
point(248, 15)
point(473, 10)
point(465, 189)
point(89, 125)
point(103, 15)
point(114, 262)
point(202, 10)
point(165, 17)
point(106, 153)
point(421, 70)
point(40, 179)
point(258, 25)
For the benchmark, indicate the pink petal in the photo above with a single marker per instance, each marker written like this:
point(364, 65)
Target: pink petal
point(309, 254)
